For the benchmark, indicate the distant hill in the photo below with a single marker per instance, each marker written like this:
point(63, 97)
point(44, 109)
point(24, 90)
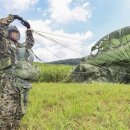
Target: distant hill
point(67, 61)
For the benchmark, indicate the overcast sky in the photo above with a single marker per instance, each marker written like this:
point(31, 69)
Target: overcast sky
point(76, 19)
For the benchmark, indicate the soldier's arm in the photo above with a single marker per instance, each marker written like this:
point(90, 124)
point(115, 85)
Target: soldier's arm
point(29, 35)
point(29, 39)
point(6, 21)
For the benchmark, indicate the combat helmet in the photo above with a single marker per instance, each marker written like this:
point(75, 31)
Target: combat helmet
point(12, 29)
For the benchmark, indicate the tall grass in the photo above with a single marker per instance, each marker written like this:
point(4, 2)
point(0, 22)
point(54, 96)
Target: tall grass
point(53, 73)
point(60, 106)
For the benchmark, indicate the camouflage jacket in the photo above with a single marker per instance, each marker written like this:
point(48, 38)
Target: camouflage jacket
point(8, 46)
point(16, 55)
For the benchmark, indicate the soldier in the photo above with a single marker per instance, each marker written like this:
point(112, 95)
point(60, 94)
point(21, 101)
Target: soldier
point(16, 72)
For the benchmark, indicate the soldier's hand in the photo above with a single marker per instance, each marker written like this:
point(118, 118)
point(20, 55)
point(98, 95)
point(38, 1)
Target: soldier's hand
point(17, 17)
point(26, 24)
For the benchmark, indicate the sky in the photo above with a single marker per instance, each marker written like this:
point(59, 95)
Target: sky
point(79, 24)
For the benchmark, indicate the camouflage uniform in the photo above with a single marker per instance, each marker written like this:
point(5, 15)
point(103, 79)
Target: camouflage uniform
point(14, 88)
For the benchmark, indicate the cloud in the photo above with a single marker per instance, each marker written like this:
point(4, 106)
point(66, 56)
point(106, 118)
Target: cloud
point(61, 12)
point(125, 3)
point(70, 47)
point(17, 5)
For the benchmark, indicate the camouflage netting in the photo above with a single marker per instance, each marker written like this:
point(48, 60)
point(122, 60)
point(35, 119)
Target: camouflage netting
point(109, 60)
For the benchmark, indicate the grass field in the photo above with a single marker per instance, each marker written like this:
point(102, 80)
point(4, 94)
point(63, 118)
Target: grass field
point(60, 106)
point(54, 73)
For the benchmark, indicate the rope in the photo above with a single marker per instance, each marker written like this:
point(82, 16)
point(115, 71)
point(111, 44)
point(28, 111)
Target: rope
point(49, 51)
point(58, 35)
point(64, 43)
point(75, 51)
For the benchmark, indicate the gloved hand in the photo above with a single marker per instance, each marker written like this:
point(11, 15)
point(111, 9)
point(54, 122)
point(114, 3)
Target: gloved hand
point(26, 24)
point(17, 17)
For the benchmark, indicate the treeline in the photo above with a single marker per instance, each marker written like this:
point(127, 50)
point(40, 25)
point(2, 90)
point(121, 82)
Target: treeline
point(67, 61)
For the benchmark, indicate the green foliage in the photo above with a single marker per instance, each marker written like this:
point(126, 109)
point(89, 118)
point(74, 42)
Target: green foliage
point(53, 73)
point(60, 106)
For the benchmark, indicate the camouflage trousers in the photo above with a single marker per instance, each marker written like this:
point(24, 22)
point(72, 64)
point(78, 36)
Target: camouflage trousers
point(13, 102)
